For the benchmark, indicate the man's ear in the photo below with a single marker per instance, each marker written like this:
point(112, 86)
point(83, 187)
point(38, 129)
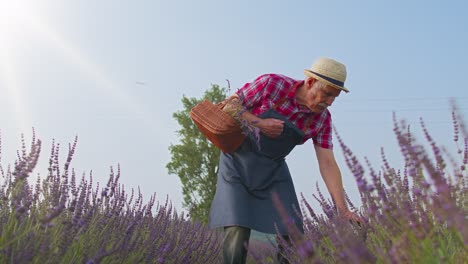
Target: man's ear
point(310, 82)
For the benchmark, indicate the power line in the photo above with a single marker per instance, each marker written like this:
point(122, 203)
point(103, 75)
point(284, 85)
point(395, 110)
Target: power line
point(401, 110)
point(400, 99)
point(390, 123)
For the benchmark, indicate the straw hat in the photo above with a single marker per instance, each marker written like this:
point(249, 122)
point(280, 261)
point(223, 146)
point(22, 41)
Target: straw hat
point(329, 71)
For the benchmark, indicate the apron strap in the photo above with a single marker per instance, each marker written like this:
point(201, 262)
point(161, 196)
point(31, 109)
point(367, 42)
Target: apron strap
point(282, 100)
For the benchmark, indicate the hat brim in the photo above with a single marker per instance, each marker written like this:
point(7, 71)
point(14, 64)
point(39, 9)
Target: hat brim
point(313, 75)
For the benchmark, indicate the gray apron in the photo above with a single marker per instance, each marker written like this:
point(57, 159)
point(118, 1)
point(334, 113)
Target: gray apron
point(248, 177)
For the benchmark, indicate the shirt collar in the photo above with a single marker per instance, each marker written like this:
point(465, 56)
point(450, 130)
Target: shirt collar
point(292, 97)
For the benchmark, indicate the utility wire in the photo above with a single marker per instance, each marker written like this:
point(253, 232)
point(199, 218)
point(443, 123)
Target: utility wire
point(400, 99)
point(400, 110)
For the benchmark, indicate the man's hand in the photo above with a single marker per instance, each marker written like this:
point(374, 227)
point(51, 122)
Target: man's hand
point(353, 217)
point(271, 127)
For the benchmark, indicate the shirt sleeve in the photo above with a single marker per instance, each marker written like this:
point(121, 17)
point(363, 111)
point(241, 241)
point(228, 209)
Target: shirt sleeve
point(323, 138)
point(252, 94)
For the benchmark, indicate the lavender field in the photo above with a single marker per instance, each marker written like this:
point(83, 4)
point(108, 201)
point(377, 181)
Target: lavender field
point(414, 214)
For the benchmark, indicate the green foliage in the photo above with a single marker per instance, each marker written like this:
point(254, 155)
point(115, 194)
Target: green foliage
point(194, 159)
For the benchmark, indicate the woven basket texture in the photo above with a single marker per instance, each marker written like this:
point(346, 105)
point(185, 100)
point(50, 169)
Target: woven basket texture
point(217, 125)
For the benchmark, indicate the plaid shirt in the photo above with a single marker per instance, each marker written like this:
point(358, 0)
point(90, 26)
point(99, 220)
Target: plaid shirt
point(265, 91)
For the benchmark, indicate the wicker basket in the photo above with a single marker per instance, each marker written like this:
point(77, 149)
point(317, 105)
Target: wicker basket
point(217, 125)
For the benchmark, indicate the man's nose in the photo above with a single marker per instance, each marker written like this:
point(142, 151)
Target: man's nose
point(329, 101)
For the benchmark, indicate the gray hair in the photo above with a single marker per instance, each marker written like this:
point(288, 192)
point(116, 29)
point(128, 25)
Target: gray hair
point(319, 84)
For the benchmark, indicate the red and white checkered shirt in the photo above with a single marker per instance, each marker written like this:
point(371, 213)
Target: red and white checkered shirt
point(265, 91)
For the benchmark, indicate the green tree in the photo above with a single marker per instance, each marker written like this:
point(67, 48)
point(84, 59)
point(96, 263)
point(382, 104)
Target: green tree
point(195, 159)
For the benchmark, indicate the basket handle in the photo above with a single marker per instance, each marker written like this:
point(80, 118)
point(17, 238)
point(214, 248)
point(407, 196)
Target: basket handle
point(223, 103)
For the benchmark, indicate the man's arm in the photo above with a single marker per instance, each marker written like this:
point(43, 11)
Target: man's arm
point(269, 126)
point(332, 177)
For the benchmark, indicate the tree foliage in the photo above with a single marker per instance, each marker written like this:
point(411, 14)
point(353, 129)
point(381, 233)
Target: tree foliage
point(194, 159)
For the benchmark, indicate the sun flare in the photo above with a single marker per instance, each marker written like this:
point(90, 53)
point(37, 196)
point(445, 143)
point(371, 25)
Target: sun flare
point(13, 11)
point(22, 24)
point(14, 16)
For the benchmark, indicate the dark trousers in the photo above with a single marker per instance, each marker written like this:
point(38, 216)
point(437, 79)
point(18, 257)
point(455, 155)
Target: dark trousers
point(236, 242)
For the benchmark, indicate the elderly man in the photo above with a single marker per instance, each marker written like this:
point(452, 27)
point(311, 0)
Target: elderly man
point(288, 112)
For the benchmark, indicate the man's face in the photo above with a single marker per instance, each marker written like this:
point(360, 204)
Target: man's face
point(319, 98)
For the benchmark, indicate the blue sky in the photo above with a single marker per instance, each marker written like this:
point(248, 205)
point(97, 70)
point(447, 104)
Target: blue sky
point(113, 72)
